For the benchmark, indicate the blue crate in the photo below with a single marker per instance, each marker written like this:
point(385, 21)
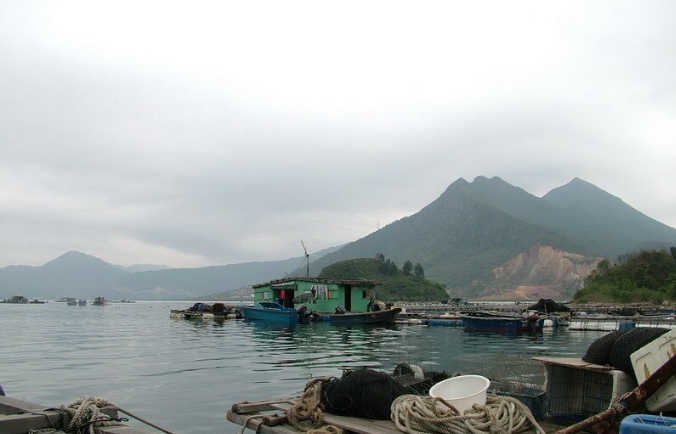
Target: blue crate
point(647, 424)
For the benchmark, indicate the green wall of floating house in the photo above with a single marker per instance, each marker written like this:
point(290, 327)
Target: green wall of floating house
point(324, 301)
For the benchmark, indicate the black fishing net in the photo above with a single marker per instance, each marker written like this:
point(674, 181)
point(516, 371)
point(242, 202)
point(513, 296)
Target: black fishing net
point(362, 393)
point(628, 343)
point(549, 306)
point(599, 350)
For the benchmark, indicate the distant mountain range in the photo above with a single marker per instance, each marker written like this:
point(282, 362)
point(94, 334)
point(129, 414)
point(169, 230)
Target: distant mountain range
point(485, 239)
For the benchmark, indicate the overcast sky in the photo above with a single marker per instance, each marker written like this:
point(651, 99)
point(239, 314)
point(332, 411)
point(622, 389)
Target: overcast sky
point(202, 133)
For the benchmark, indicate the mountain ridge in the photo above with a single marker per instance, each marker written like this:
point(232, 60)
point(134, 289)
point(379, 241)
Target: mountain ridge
point(481, 225)
point(467, 239)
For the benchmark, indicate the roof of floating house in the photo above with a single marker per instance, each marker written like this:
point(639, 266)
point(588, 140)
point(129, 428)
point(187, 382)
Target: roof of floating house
point(318, 280)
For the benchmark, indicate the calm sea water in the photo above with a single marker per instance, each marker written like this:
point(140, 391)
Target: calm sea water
point(185, 375)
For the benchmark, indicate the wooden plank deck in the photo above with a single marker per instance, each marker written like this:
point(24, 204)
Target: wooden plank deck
point(269, 417)
point(20, 417)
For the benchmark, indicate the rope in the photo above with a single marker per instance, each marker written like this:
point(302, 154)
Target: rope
point(415, 414)
point(309, 408)
point(86, 416)
point(246, 422)
point(140, 419)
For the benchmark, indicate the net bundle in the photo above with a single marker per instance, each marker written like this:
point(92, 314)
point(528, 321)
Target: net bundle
point(363, 393)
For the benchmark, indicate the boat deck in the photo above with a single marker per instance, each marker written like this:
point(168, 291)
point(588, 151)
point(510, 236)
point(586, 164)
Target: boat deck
point(22, 417)
point(269, 417)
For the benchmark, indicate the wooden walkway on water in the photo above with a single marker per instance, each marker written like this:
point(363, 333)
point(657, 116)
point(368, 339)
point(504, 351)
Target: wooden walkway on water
point(269, 417)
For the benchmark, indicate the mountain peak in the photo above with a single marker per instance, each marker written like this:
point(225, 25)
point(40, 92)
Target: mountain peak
point(483, 179)
point(460, 182)
point(579, 192)
point(75, 261)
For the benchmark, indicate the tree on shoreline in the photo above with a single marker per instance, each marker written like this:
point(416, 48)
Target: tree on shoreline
point(647, 275)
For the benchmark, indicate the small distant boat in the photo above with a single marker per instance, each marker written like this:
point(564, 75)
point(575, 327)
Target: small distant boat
point(99, 301)
point(75, 302)
point(16, 299)
point(20, 299)
point(65, 299)
point(217, 311)
point(500, 322)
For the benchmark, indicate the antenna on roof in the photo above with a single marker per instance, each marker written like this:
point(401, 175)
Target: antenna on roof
point(307, 259)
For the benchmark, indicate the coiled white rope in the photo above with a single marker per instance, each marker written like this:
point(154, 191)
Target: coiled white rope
point(415, 414)
point(85, 414)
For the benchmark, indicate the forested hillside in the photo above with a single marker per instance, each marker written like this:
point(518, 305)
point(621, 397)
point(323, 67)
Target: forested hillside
point(645, 276)
point(397, 285)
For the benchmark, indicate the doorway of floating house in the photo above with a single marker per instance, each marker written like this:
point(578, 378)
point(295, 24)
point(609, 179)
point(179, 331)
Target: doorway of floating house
point(348, 298)
point(288, 300)
point(285, 296)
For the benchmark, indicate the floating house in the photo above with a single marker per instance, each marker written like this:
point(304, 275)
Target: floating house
point(319, 294)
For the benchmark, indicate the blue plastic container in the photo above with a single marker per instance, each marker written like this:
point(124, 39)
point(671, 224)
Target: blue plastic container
point(647, 424)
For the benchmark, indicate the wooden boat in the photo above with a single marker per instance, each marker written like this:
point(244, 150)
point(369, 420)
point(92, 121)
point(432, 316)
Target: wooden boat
point(314, 299)
point(18, 417)
point(203, 311)
point(381, 317)
point(500, 322)
point(269, 417)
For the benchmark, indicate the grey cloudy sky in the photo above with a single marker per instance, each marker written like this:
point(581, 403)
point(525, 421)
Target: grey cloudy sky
point(205, 133)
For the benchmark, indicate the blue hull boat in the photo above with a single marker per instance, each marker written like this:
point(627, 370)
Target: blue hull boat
point(270, 312)
point(499, 322)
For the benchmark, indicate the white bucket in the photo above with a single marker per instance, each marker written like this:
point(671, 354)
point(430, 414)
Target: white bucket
point(462, 392)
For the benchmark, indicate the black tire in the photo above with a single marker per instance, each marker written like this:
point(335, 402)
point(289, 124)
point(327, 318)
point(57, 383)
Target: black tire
point(599, 350)
point(628, 343)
